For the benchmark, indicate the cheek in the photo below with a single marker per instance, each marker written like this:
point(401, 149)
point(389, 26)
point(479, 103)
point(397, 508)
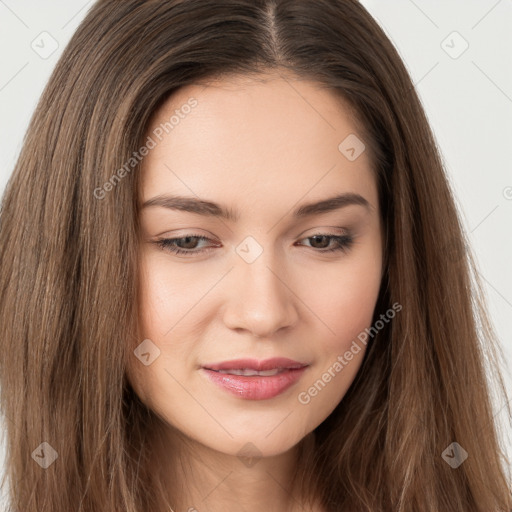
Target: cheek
point(344, 299)
point(168, 293)
point(345, 304)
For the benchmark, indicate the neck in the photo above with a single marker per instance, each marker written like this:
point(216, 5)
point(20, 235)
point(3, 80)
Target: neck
point(199, 478)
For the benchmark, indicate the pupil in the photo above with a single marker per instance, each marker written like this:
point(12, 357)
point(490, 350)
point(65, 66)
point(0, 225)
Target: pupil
point(316, 238)
point(187, 242)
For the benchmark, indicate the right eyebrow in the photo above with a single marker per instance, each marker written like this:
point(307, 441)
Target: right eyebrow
point(192, 205)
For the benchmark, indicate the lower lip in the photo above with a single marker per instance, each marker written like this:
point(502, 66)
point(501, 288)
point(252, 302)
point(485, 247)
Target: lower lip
point(256, 387)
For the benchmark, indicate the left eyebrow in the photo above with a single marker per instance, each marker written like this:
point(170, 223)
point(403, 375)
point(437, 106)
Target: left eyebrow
point(209, 208)
point(332, 203)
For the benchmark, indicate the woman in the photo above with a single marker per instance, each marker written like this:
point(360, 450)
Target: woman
point(240, 281)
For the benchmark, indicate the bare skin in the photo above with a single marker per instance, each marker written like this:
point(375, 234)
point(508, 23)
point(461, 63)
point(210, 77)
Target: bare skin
point(262, 149)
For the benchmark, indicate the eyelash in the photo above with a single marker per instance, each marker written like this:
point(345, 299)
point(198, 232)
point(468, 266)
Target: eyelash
point(343, 244)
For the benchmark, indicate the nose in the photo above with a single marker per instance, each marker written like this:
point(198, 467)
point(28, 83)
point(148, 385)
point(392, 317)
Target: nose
point(262, 300)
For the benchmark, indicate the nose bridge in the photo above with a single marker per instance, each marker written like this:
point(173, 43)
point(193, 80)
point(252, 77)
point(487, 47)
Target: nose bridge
point(261, 301)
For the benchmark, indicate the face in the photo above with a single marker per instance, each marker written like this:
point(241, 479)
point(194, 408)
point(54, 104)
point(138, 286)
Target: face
point(249, 293)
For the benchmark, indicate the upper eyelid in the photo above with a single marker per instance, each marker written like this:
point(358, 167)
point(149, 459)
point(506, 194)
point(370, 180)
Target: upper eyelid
point(323, 230)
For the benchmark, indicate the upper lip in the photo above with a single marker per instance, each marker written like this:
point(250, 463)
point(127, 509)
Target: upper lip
point(254, 364)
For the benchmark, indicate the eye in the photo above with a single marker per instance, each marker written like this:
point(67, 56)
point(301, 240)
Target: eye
point(189, 242)
point(341, 242)
point(188, 245)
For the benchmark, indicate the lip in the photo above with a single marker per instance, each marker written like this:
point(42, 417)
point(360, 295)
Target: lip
point(255, 364)
point(256, 387)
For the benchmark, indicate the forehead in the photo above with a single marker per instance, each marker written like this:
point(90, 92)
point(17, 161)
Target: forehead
point(261, 139)
point(263, 103)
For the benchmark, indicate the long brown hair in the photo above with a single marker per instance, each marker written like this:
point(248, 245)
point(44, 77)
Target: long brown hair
point(68, 278)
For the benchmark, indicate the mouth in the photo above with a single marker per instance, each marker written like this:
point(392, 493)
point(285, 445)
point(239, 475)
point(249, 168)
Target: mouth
point(248, 372)
point(255, 380)
point(276, 363)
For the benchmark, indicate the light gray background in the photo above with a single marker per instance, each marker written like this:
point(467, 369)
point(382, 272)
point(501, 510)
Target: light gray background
point(467, 96)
